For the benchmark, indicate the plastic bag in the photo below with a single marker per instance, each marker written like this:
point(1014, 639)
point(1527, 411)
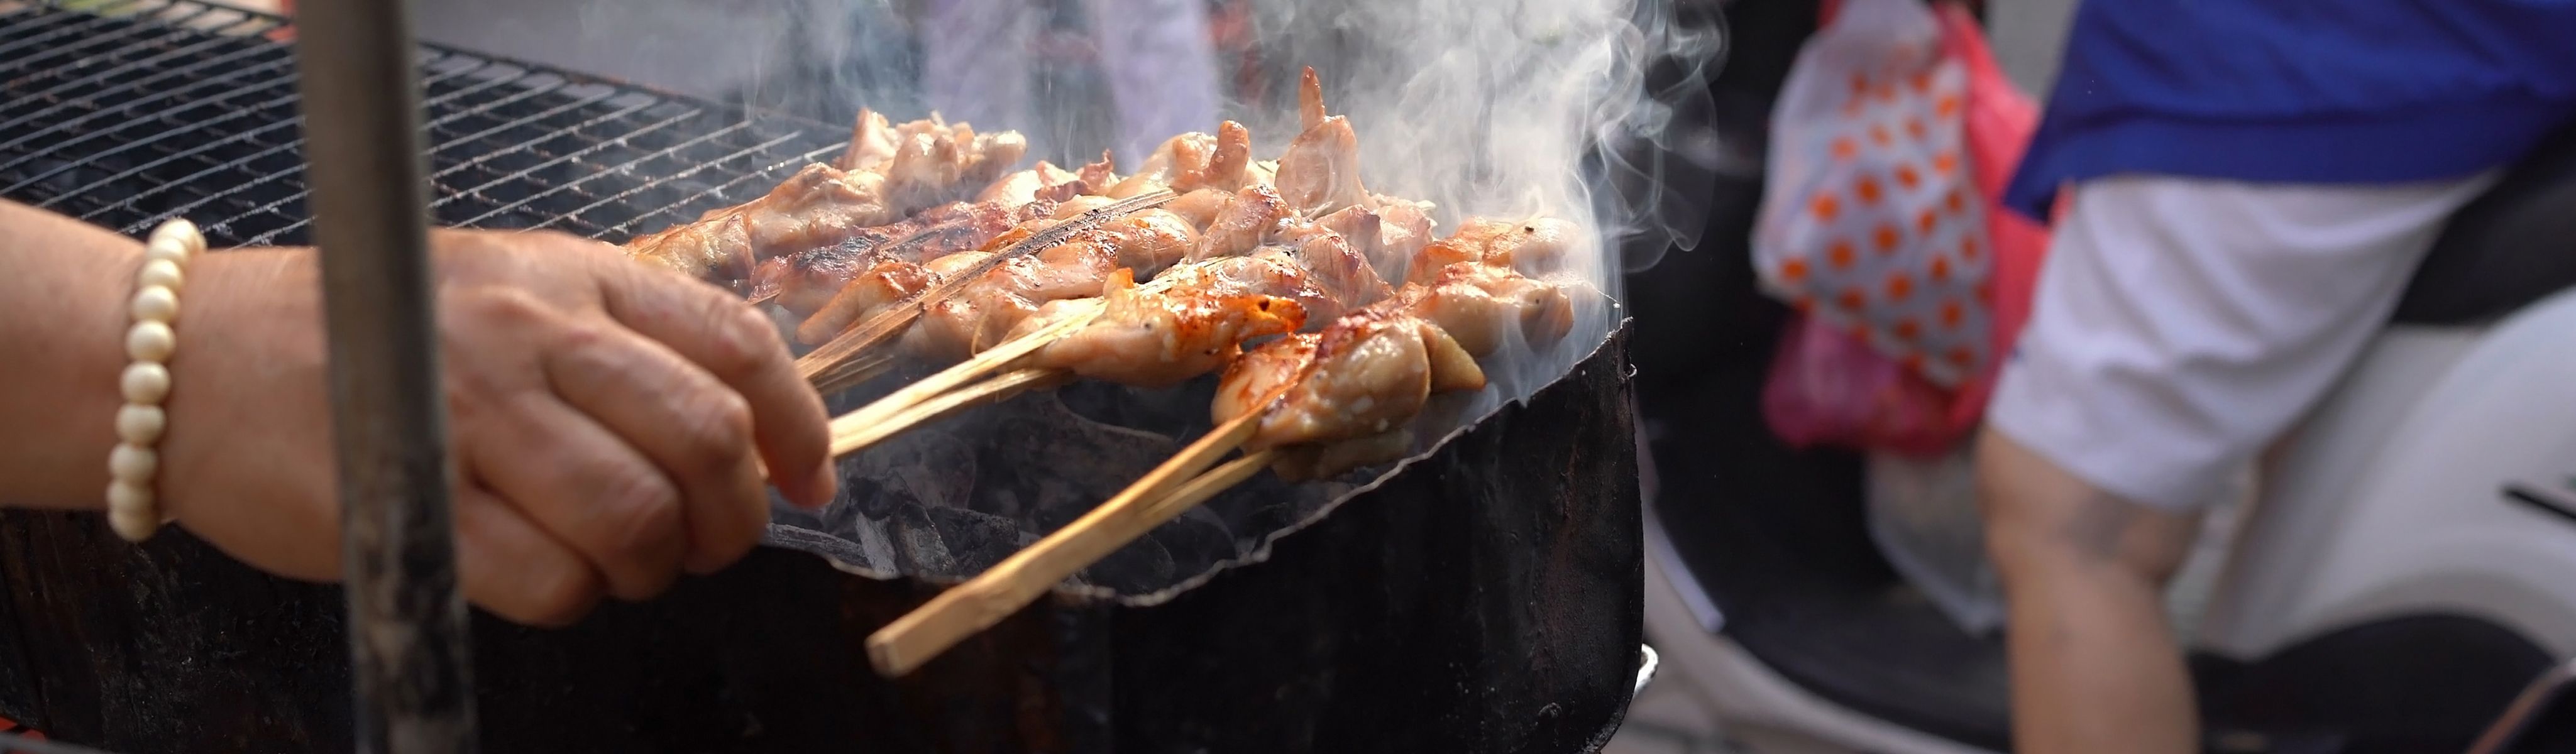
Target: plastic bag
point(1871, 221)
point(2000, 121)
point(1923, 515)
point(1827, 387)
point(1948, 295)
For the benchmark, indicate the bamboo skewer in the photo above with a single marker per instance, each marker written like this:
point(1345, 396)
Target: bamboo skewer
point(1167, 491)
point(898, 411)
point(987, 362)
point(832, 368)
point(851, 436)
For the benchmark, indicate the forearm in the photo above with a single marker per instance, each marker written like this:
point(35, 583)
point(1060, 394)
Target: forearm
point(62, 346)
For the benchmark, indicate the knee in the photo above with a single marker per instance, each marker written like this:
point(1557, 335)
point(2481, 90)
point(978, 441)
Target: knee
point(2042, 519)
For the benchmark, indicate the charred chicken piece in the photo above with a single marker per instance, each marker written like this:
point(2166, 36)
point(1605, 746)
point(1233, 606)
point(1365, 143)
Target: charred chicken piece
point(985, 312)
point(1047, 183)
point(818, 206)
point(1193, 161)
point(1243, 222)
point(1334, 265)
point(929, 154)
point(1200, 207)
point(1149, 241)
point(888, 172)
point(1482, 304)
point(1366, 374)
point(1320, 172)
point(1536, 246)
point(887, 283)
point(1165, 334)
point(802, 282)
point(1351, 388)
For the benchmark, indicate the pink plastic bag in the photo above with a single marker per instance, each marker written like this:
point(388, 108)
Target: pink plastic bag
point(1835, 381)
point(1827, 387)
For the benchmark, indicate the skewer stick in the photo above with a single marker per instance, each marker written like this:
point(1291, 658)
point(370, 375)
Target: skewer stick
point(902, 646)
point(989, 361)
point(898, 411)
point(850, 437)
point(1207, 485)
point(827, 368)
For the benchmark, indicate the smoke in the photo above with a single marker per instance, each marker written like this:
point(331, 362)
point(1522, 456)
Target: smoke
point(1508, 108)
point(1593, 111)
point(1584, 110)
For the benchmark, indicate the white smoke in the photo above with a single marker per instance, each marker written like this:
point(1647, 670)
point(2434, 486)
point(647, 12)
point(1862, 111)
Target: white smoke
point(1508, 109)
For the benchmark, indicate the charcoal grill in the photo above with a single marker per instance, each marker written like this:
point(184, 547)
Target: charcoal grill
point(1484, 595)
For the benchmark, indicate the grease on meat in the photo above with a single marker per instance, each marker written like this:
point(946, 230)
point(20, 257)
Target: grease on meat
point(1161, 337)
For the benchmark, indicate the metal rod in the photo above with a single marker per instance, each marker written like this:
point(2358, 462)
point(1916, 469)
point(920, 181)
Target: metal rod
point(407, 630)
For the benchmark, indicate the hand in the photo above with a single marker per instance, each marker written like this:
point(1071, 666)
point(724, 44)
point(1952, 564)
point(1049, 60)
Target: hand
point(608, 420)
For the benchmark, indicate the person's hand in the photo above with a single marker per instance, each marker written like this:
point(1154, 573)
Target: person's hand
point(608, 420)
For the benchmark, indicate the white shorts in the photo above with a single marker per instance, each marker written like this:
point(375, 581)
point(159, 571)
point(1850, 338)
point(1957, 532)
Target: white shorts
point(2180, 325)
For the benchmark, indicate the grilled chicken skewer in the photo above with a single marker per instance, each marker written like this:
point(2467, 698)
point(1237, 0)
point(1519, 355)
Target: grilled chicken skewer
point(1190, 321)
point(887, 173)
point(1305, 404)
point(857, 353)
point(1146, 242)
point(1259, 248)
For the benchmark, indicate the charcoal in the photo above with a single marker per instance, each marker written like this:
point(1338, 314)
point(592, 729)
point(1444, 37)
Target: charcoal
point(1143, 563)
point(1179, 411)
point(1195, 542)
point(917, 543)
point(929, 468)
point(975, 540)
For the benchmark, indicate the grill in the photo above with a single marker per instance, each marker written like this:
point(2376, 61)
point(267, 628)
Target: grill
point(1484, 595)
point(128, 113)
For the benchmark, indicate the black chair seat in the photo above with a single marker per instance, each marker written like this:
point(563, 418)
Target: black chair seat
point(2511, 247)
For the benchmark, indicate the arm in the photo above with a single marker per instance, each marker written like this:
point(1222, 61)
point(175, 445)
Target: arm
point(610, 422)
point(62, 334)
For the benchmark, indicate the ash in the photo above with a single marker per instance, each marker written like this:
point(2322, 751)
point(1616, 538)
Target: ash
point(948, 500)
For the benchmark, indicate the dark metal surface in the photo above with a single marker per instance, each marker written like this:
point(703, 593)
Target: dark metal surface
point(134, 111)
point(407, 641)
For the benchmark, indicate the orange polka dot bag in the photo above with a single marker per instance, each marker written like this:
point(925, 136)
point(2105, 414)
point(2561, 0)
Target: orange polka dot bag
point(1870, 218)
point(1874, 226)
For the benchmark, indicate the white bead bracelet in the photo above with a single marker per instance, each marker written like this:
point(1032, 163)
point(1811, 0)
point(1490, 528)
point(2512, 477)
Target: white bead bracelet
point(131, 508)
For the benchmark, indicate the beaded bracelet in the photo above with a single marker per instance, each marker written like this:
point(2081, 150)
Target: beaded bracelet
point(131, 508)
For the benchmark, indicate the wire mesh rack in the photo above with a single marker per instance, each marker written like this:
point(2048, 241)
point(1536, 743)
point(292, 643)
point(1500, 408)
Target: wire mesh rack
point(128, 112)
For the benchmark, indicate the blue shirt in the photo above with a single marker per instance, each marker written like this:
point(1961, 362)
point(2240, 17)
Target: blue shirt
point(2301, 91)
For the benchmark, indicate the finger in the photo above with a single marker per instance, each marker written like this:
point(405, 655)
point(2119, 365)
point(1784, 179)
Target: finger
point(734, 342)
point(695, 428)
point(585, 486)
point(515, 570)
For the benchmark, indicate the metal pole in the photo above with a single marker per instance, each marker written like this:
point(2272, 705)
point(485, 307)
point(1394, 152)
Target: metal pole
point(407, 629)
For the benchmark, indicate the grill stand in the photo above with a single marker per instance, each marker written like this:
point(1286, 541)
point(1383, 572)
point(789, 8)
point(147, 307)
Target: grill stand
point(406, 621)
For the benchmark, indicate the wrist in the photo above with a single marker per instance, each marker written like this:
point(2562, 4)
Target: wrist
point(249, 319)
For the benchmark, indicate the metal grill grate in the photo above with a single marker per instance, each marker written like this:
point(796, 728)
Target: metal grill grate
point(127, 112)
